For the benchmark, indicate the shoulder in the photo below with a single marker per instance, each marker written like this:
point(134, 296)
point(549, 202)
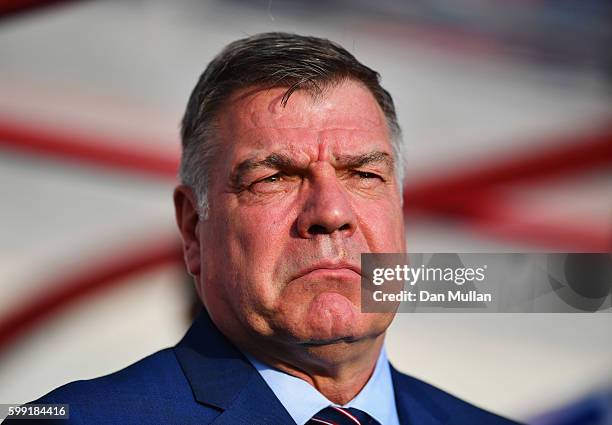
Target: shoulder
point(410, 389)
point(148, 375)
point(152, 390)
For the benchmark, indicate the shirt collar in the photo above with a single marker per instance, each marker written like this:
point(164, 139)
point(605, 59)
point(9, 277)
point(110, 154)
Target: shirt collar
point(303, 401)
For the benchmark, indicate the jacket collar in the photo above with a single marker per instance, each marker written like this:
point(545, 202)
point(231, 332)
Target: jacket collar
point(413, 404)
point(222, 378)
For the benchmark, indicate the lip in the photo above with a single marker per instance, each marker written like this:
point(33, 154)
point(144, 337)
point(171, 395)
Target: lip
point(330, 267)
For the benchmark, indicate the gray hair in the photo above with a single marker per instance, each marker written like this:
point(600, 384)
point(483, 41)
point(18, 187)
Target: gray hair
point(269, 60)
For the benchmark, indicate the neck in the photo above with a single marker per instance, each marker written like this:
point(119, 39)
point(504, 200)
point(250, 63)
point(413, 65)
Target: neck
point(339, 371)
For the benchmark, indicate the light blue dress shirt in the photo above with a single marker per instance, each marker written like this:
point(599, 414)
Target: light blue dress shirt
point(303, 401)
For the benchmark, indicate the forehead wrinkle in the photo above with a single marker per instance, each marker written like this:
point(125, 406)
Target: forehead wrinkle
point(303, 111)
point(318, 129)
point(339, 105)
point(317, 121)
point(351, 119)
point(262, 112)
point(259, 118)
point(354, 142)
point(344, 134)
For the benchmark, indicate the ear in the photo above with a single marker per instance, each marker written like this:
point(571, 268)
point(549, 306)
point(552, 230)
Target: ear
point(186, 211)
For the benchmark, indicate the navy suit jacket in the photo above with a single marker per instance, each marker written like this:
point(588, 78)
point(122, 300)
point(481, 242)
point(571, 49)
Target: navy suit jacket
point(204, 379)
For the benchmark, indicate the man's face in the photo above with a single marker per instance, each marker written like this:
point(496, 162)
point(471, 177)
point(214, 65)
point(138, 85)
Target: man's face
point(297, 193)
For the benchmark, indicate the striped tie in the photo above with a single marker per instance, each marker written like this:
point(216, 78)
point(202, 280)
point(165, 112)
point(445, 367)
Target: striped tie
point(333, 415)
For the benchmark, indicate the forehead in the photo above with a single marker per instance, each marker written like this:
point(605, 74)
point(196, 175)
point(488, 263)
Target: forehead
point(344, 114)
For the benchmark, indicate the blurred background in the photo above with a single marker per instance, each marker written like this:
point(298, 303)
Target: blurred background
point(506, 110)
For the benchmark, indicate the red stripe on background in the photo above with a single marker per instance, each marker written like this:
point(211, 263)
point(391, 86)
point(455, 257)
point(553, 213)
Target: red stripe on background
point(571, 155)
point(474, 197)
point(496, 216)
point(123, 154)
point(557, 237)
point(10, 8)
point(85, 283)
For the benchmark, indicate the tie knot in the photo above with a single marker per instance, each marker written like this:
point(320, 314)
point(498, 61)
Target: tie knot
point(333, 415)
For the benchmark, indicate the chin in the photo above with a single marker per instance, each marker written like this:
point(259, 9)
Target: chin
point(329, 318)
point(339, 330)
point(321, 332)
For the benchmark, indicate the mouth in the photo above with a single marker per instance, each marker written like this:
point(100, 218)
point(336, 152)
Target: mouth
point(331, 269)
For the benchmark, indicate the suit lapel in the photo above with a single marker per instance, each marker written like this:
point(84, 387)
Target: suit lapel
point(222, 378)
point(256, 404)
point(413, 406)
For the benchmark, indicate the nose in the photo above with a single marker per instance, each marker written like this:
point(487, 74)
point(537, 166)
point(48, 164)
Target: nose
point(327, 208)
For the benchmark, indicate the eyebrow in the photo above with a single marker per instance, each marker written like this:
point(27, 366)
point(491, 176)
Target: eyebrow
point(282, 161)
point(356, 161)
point(274, 160)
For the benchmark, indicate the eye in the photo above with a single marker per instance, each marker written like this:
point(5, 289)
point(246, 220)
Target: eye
point(271, 179)
point(367, 175)
point(365, 180)
point(274, 183)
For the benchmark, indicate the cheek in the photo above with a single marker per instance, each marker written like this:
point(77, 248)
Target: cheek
point(256, 240)
point(258, 235)
point(382, 226)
